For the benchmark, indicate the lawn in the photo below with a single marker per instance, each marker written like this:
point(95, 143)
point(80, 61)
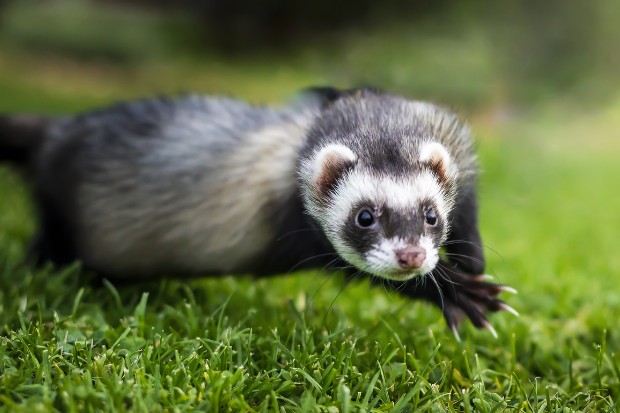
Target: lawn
point(307, 341)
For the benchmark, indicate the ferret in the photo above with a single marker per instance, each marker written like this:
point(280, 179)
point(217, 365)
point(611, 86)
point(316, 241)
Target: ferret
point(193, 185)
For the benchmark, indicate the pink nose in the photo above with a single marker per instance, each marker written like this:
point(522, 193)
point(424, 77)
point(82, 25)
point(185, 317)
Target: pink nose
point(411, 257)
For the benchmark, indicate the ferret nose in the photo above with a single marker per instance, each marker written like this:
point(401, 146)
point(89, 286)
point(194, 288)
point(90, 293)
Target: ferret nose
point(411, 257)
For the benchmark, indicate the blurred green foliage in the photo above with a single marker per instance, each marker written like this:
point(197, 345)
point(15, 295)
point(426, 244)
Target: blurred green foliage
point(466, 53)
point(85, 29)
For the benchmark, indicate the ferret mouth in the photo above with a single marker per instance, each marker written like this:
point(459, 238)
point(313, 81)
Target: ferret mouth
point(401, 275)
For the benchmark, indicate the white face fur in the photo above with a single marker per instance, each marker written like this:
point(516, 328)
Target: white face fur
point(391, 227)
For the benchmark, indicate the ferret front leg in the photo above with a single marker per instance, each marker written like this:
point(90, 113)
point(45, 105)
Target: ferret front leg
point(464, 245)
point(459, 295)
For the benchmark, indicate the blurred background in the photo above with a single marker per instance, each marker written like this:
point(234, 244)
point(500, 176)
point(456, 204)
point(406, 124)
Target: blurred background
point(478, 56)
point(539, 82)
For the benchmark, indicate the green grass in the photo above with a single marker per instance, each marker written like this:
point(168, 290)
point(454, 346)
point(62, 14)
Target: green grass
point(305, 342)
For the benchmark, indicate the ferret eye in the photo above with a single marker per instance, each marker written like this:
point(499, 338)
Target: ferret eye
point(365, 218)
point(430, 217)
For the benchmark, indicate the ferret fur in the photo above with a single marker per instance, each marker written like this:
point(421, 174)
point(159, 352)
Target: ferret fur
point(209, 186)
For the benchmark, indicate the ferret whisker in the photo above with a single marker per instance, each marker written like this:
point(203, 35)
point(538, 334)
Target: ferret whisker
point(443, 270)
point(450, 283)
point(462, 241)
point(443, 276)
point(355, 276)
point(420, 282)
point(340, 291)
point(476, 244)
point(297, 231)
point(456, 260)
point(313, 296)
point(309, 259)
point(461, 258)
point(396, 287)
point(453, 284)
point(328, 266)
point(344, 267)
point(443, 305)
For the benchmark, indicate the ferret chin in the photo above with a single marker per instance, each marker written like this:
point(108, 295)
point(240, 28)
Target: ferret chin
point(208, 186)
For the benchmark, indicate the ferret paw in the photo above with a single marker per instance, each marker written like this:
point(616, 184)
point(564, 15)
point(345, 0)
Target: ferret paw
point(464, 296)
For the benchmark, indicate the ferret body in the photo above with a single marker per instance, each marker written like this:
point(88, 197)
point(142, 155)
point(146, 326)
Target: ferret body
point(208, 186)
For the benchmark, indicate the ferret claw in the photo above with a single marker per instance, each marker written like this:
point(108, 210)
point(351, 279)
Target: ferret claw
point(508, 308)
point(455, 331)
point(505, 288)
point(489, 327)
point(473, 300)
point(463, 296)
point(502, 288)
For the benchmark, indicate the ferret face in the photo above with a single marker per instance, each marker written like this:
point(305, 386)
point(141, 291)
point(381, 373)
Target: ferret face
point(389, 226)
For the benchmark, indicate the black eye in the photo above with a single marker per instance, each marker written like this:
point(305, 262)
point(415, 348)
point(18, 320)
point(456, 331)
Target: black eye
point(430, 217)
point(365, 218)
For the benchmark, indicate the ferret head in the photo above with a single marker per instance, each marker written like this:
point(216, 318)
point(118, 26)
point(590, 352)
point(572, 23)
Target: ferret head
point(386, 221)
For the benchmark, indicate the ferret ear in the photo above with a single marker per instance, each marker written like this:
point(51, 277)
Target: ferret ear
point(437, 158)
point(329, 165)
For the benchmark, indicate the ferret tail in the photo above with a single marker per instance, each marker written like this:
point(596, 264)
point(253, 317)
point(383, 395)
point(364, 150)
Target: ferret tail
point(21, 136)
